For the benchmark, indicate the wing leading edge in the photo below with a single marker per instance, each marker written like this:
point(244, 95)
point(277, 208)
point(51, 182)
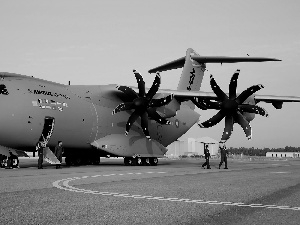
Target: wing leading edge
point(179, 63)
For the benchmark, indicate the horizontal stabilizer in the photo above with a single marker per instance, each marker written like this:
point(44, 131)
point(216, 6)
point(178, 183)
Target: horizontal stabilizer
point(227, 59)
point(179, 63)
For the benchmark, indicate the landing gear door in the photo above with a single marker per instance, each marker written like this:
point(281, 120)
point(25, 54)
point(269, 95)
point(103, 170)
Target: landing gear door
point(47, 130)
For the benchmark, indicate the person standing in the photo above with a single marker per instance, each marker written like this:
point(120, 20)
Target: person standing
point(59, 150)
point(224, 153)
point(206, 155)
point(40, 149)
point(9, 161)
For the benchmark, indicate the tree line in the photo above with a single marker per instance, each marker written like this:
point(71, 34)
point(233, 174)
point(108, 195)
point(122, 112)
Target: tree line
point(261, 152)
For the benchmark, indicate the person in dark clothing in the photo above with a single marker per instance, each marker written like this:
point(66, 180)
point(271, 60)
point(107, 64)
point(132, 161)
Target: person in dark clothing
point(224, 153)
point(14, 160)
point(10, 161)
point(40, 149)
point(206, 155)
point(59, 150)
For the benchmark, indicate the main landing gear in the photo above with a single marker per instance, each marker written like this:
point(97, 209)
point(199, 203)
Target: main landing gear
point(140, 161)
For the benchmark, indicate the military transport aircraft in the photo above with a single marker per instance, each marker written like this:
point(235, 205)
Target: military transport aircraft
point(91, 120)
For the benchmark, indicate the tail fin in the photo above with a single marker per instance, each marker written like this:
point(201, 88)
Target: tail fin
point(192, 75)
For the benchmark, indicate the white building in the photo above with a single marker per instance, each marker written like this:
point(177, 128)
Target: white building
point(192, 146)
point(283, 154)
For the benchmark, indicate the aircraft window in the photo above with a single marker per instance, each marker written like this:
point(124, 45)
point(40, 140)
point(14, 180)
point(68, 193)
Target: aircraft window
point(3, 89)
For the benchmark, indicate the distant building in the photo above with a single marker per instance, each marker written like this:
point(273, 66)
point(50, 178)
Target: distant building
point(192, 146)
point(283, 154)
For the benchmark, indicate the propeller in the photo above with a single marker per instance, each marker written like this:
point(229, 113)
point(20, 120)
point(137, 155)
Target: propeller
point(231, 107)
point(143, 104)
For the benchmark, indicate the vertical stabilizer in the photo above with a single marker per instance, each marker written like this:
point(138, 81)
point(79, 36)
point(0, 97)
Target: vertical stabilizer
point(192, 75)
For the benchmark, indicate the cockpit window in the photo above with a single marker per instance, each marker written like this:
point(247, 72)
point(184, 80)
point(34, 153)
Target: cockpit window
point(3, 90)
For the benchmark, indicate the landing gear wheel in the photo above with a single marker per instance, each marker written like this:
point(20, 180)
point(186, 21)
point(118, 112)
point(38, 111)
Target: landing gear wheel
point(77, 161)
point(139, 161)
point(146, 161)
point(96, 161)
point(127, 161)
point(69, 161)
point(153, 161)
point(134, 161)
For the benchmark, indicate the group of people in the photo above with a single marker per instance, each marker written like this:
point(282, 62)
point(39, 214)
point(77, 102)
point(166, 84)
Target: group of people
point(223, 152)
point(58, 152)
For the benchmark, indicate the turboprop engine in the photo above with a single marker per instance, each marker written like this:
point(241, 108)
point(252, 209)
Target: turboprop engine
point(236, 109)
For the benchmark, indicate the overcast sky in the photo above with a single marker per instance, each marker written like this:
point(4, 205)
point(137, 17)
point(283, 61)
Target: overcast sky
point(101, 42)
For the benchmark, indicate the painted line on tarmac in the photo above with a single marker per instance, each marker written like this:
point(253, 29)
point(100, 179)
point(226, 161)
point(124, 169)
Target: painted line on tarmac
point(280, 172)
point(64, 185)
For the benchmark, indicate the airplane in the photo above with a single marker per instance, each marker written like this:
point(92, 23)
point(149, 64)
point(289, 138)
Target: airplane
point(136, 123)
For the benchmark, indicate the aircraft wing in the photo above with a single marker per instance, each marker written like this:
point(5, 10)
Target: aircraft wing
point(182, 94)
point(5, 151)
point(274, 99)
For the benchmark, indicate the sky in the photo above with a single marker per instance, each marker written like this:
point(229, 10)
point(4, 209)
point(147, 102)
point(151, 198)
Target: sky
point(100, 42)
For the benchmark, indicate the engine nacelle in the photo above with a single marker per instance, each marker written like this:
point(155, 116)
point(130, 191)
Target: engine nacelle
point(169, 110)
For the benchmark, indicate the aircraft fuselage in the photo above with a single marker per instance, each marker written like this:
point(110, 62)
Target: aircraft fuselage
point(81, 115)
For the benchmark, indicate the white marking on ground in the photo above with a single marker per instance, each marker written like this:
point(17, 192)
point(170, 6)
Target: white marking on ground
point(280, 172)
point(64, 185)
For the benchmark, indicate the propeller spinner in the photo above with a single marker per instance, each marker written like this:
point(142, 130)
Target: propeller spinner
point(231, 107)
point(143, 104)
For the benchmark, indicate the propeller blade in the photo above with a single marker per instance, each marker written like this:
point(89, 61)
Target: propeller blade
point(217, 90)
point(155, 116)
point(161, 102)
point(144, 124)
point(199, 103)
point(248, 92)
point(131, 94)
point(228, 128)
point(141, 83)
point(131, 120)
point(123, 107)
point(233, 84)
point(254, 109)
point(154, 87)
point(240, 119)
point(212, 121)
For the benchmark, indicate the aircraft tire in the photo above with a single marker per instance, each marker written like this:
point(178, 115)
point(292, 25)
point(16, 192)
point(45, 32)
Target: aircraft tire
point(77, 161)
point(96, 161)
point(127, 161)
point(3, 163)
point(134, 161)
point(153, 161)
point(146, 161)
point(69, 161)
point(139, 161)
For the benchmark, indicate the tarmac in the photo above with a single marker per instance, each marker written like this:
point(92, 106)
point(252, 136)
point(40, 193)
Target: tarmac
point(174, 192)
